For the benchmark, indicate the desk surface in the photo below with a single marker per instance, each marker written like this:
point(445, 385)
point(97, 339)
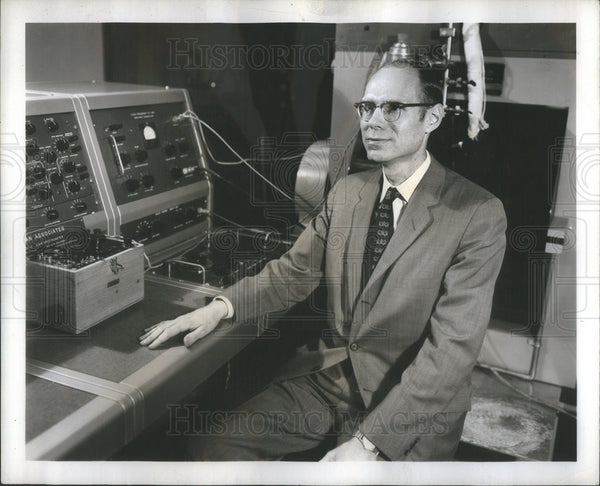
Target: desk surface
point(131, 385)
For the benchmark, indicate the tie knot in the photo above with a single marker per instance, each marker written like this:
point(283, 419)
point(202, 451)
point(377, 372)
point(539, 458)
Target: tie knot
point(391, 194)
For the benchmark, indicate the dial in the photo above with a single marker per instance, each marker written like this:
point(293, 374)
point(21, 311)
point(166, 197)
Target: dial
point(68, 166)
point(62, 144)
point(39, 172)
point(52, 214)
point(51, 157)
point(143, 229)
point(148, 180)
point(51, 125)
point(132, 184)
point(29, 128)
point(56, 178)
point(74, 186)
point(32, 149)
point(80, 206)
point(44, 193)
point(141, 155)
point(170, 150)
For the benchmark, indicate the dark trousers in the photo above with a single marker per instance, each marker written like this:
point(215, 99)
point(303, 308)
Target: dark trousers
point(296, 415)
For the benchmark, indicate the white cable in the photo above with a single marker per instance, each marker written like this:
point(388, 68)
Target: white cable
point(222, 162)
point(241, 159)
point(150, 267)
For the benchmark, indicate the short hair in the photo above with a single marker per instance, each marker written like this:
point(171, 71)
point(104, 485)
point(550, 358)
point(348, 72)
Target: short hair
point(431, 79)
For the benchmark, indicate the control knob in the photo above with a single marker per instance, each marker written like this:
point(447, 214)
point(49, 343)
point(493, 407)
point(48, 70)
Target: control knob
point(51, 125)
point(68, 166)
point(39, 172)
point(62, 144)
point(148, 180)
point(29, 128)
point(44, 193)
point(51, 157)
point(141, 155)
point(32, 149)
point(80, 206)
point(132, 184)
point(144, 229)
point(56, 178)
point(74, 186)
point(176, 172)
point(52, 214)
point(170, 150)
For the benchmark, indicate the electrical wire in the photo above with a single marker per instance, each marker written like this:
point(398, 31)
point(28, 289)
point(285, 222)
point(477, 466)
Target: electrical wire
point(227, 181)
point(190, 114)
point(150, 267)
point(237, 162)
point(527, 395)
point(242, 160)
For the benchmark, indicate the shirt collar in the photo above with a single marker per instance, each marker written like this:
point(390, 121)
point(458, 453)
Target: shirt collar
point(408, 186)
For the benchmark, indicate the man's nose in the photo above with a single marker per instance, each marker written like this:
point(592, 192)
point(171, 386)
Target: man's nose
point(376, 120)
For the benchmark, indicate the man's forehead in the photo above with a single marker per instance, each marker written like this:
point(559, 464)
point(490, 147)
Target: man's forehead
point(393, 82)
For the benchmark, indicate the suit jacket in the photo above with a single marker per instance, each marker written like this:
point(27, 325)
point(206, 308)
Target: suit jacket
point(414, 331)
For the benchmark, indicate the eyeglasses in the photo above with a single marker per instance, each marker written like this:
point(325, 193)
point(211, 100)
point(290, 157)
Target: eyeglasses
point(390, 109)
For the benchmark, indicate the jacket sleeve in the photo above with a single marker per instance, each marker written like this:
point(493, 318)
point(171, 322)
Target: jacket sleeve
point(444, 364)
point(291, 278)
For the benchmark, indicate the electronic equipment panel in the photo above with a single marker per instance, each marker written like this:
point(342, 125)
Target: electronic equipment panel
point(145, 150)
point(59, 179)
point(149, 162)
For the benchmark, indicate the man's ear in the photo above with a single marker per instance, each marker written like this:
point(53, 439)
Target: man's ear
point(434, 118)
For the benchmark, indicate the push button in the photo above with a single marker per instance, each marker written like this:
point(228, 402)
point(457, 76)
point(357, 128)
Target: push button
point(353, 347)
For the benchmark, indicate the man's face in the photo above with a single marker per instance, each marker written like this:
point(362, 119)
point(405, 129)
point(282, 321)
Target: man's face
point(388, 142)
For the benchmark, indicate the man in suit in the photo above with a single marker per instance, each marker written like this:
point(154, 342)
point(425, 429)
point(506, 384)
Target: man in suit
point(410, 253)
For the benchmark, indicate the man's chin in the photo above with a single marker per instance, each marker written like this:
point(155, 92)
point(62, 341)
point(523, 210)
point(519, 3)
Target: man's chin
point(376, 156)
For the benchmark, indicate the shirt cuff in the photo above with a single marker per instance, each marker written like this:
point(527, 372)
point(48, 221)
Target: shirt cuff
point(227, 302)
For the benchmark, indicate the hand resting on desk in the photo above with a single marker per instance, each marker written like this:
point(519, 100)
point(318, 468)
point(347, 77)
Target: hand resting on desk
point(200, 322)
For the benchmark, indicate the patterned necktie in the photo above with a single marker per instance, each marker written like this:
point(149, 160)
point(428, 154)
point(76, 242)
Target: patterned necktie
point(380, 231)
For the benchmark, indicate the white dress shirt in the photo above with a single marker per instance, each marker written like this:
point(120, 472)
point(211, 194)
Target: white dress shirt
point(405, 188)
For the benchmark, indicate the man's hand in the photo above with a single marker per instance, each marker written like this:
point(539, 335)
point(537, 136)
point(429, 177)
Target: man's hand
point(201, 322)
point(351, 450)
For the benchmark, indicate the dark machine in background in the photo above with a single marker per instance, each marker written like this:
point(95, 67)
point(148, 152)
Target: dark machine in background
point(511, 161)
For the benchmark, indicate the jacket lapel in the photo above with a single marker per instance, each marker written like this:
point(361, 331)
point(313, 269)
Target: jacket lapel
point(359, 227)
point(415, 218)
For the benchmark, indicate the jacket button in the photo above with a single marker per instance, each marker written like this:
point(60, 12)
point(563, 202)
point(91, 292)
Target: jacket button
point(353, 347)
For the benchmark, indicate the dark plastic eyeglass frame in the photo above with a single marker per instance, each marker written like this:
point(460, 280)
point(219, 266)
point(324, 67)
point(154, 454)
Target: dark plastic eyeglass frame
point(396, 105)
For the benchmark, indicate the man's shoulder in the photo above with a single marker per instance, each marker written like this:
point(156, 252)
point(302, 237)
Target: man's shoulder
point(353, 183)
point(362, 177)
